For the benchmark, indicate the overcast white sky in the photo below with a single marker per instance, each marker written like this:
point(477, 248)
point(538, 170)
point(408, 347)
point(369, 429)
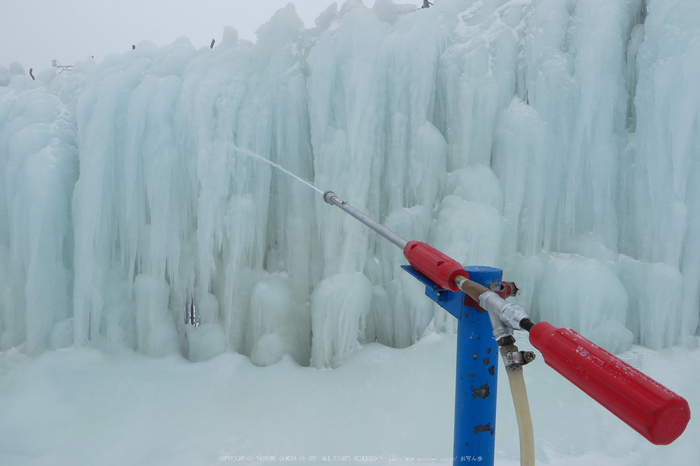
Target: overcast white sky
point(34, 32)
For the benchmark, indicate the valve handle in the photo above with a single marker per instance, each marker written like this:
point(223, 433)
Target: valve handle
point(651, 409)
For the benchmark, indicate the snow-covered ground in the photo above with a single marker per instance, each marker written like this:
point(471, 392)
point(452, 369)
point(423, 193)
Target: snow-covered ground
point(86, 406)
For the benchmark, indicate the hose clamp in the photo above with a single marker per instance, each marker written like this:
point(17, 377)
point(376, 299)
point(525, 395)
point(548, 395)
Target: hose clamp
point(518, 358)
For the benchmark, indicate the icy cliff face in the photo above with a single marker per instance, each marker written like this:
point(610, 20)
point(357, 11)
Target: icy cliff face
point(558, 140)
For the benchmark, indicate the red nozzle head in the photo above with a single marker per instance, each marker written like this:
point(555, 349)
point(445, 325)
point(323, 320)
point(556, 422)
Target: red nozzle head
point(651, 409)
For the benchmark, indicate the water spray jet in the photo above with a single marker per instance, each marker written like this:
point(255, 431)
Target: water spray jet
point(272, 164)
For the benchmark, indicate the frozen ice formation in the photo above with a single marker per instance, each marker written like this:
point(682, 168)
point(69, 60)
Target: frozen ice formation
point(557, 140)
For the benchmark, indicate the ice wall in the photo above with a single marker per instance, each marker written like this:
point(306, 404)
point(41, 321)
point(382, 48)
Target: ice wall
point(556, 139)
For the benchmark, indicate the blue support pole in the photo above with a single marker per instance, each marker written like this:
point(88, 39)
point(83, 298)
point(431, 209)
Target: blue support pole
point(477, 368)
point(477, 377)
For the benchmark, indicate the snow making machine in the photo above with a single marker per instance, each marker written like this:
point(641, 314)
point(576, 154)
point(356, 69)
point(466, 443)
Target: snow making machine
point(476, 296)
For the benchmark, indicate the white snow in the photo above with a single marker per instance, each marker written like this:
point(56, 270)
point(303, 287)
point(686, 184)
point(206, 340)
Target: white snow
point(84, 406)
point(557, 140)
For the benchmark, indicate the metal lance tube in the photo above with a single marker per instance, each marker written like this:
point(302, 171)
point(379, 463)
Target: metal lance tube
point(332, 199)
point(435, 265)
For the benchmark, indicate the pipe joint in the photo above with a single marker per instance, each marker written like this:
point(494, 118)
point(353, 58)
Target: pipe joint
point(500, 330)
point(510, 314)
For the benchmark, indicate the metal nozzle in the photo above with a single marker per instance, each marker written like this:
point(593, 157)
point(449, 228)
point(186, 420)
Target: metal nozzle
point(328, 197)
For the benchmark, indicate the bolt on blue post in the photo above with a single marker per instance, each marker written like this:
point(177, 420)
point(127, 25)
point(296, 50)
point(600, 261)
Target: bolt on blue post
point(477, 368)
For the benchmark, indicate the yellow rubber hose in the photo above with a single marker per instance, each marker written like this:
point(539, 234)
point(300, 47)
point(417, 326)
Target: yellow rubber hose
point(522, 409)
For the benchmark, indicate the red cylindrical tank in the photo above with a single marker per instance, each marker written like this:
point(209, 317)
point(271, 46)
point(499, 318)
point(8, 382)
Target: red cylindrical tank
point(651, 409)
point(433, 264)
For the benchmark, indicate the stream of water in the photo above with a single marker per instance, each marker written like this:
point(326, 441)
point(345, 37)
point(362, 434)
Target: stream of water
point(273, 164)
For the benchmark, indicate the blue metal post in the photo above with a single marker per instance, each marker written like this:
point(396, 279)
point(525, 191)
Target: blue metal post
point(477, 368)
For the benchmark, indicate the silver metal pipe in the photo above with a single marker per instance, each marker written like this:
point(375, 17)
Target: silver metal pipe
point(331, 198)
